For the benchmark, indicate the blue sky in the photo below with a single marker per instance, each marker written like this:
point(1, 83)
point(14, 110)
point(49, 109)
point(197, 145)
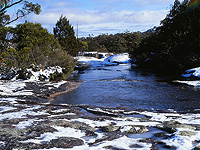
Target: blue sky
point(102, 16)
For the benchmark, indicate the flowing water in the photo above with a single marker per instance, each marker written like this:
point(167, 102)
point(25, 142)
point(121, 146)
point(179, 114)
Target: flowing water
point(115, 86)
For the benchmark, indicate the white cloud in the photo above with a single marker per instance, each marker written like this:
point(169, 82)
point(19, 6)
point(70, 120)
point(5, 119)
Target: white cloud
point(93, 21)
point(102, 20)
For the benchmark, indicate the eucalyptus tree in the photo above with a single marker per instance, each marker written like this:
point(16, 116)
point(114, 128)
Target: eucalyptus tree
point(65, 34)
point(24, 8)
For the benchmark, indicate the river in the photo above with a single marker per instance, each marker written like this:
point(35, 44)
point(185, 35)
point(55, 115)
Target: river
point(121, 86)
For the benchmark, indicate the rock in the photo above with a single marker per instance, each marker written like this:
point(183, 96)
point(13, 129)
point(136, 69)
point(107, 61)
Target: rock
point(134, 129)
point(187, 133)
point(76, 125)
point(108, 137)
point(136, 146)
point(66, 142)
point(130, 129)
point(112, 148)
point(161, 134)
point(171, 126)
point(37, 130)
point(197, 148)
point(110, 128)
point(147, 140)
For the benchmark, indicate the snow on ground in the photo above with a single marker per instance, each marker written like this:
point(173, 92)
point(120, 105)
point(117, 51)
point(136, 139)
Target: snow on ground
point(193, 73)
point(56, 84)
point(6, 108)
point(125, 122)
point(13, 88)
point(109, 61)
point(192, 83)
point(47, 72)
point(183, 142)
point(23, 113)
point(34, 74)
point(62, 132)
point(118, 58)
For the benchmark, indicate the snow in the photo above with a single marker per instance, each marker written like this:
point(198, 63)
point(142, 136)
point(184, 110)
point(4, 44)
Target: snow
point(182, 118)
point(118, 58)
point(192, 72)
point(124, 142)
point(23, 113)
point(35, 75)
point(192, 83)
point(13, 88)
point(121, 143)
point(183, 142)
point(2, 143)
point(62, 132)
point(56, 84)
point(25, 124)
point(6, 108)
point(126, 128)
point(47, 72)
point(109, 61)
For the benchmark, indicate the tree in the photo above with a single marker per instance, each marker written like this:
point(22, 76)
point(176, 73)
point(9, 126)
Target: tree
point(32, 44)
point(174, 47)
point(5, 37)
point(28, 7)
point(65, 34)
point(36, 41)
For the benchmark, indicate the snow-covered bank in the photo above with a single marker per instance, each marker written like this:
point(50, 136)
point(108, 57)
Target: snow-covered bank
point(109, 61)
point(192, 76)
point(32, 125)
point(194, 72)
point(35, 91)
point(192, 83)
point(27, 125)
point(32, 74)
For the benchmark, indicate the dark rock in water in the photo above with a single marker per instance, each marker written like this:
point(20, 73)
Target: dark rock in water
point(66, 142)
point(161, 134)
point(147, 140)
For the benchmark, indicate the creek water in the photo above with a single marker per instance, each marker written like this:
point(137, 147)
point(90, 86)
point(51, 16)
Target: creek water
point(121, 86)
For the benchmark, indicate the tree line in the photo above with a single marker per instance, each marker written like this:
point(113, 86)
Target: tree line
point(175, 44)
point(171, 47)
point(30, 44)
point(115, 43)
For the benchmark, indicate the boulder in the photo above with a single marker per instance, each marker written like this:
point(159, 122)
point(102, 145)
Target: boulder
point(65, 142)
point(171, 126)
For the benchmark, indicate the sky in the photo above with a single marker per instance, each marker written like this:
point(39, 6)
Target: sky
point(95, 17)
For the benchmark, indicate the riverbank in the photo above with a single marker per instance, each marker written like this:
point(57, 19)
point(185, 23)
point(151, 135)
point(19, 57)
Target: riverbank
point(28, 121)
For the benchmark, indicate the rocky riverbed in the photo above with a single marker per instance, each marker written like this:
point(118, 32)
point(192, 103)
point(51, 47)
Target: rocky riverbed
point(30, 121)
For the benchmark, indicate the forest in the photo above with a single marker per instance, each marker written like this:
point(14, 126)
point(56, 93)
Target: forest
point(172, 47)
point(29, 44)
